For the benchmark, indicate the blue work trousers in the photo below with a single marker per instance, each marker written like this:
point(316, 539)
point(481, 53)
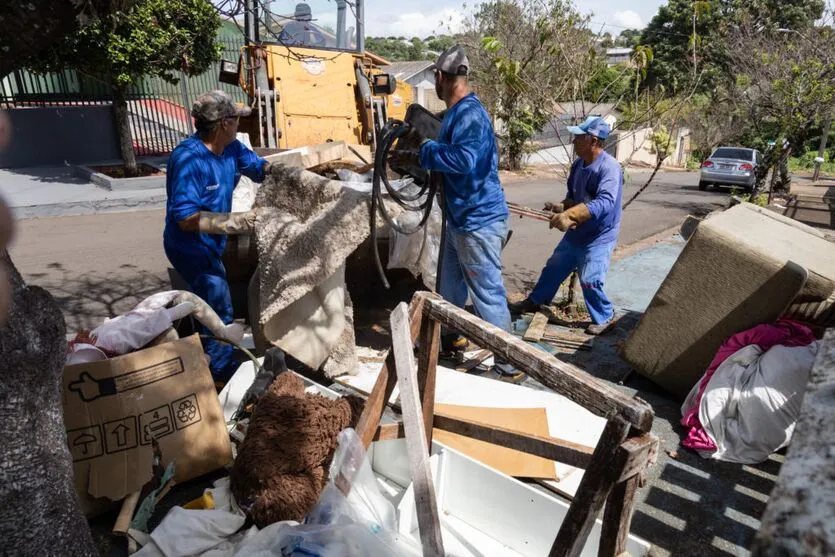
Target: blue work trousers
point(206, 276)
point(472, 265)
point(591, 264)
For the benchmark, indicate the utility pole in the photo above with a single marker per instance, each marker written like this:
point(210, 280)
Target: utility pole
point(827, 126)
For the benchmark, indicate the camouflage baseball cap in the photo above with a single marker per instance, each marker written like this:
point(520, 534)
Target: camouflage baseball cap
point(216, 105)
point(453, 61)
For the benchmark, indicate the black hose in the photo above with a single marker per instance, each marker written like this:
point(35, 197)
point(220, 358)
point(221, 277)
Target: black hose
point(390, 133)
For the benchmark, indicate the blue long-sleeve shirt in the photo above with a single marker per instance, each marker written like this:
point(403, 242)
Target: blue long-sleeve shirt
point(199, 180)
point(467, 155)
point(600, 186)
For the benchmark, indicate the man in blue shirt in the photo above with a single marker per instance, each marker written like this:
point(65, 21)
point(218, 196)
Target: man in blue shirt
point(201, 175)
point(590, 217)
point(476, 211)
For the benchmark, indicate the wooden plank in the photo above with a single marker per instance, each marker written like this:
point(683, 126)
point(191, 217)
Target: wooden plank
point(536, 328)
point(389, 432)
point(637, 453)
point(599, 479)
point(798, 519)
point(418, 450)
point(386, 380)
point(617, 518)
point(569, 453)
point(430, 345)
point(562, 377)
point(474, 362)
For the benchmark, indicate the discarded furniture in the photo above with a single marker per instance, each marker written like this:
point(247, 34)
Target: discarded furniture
point(740, 268)
point(614, 469)
point(798, 518)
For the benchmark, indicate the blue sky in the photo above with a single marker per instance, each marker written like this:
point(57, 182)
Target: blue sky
point(387, 17)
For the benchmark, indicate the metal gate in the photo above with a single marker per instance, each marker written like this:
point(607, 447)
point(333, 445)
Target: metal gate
point(159, 111)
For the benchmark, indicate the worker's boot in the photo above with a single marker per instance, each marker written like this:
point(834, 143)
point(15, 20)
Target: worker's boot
point(525, 306)
point(596, 329)
point(507, 371)
point(453, 347)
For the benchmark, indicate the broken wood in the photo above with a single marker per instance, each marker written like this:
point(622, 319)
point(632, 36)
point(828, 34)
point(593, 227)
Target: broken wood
point(559, 376)
point(798, 519)
point(386, 380)
point(430, 345)
point(636, 453)
point(605, 468)
point(417, 448)
point(474, 362)
point(537, 328)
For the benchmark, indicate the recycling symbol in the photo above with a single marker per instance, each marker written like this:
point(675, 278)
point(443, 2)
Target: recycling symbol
point(186, 411)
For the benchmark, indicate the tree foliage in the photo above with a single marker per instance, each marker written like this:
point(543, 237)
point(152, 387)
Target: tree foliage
point(399, 49)
point(155, 38)
point(527, 56)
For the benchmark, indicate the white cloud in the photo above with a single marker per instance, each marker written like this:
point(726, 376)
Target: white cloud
point(629, 19)
point(416, 24)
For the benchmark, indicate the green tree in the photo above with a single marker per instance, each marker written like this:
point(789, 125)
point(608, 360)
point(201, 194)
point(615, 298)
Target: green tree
point(440, 44)
point(417, 50)
point(390, 48)
point(687, 34)
point(629, 38)
point(526, 57)
point(156, 38)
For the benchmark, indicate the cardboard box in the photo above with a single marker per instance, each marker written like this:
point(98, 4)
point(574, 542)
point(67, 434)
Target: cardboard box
point(114, 408)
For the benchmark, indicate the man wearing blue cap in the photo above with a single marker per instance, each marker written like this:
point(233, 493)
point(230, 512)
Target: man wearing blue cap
point(590, 217)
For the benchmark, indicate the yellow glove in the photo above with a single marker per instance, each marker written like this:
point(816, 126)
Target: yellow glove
point(571, 218)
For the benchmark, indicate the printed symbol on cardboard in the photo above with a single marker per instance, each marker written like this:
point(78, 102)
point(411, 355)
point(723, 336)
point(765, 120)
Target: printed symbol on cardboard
point(120, 435)
point(85, 443)
point(89, 388)
point(155, 424)
point(186, 410)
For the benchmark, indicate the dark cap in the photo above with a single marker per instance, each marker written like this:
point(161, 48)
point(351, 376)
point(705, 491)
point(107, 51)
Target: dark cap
point(453, 61)
point(216, 105)
point(302, 12)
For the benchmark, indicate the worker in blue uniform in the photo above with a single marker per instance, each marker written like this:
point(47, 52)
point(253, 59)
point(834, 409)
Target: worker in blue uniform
point(467, 157)
point(202, 173)
point(590, 217)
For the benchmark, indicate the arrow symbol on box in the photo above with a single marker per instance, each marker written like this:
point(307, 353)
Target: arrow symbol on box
point(121, 433)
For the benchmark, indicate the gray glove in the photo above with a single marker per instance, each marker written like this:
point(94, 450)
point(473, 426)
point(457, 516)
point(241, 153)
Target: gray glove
point(227, 223)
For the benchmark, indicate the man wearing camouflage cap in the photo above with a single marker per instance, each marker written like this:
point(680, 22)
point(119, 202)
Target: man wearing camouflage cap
point(202, 173)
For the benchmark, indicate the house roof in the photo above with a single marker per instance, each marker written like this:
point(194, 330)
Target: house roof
point(403, 71)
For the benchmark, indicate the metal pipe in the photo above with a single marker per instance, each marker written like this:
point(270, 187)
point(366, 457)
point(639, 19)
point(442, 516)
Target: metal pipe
point(360, 26)
point(340, 23)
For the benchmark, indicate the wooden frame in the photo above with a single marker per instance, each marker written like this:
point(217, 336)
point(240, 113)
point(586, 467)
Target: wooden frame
point(614, 469)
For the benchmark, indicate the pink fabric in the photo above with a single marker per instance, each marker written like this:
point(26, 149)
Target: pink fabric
point(784, 332)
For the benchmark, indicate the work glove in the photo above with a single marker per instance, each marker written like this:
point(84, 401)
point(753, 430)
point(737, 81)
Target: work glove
point(411, 140)
point(571, 218)
point(554, 207)
point(227, 223)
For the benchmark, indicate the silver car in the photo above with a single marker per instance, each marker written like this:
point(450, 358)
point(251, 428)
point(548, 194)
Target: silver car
point(731, 166)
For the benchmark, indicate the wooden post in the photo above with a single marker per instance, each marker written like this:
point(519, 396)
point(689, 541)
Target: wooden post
point(430, 343)
point(386, 380)
point(617, 518)
point(603, 471)
point(416, 445)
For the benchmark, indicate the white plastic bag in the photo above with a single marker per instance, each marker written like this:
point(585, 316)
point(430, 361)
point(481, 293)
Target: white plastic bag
point(418, 252)
point(243, 196)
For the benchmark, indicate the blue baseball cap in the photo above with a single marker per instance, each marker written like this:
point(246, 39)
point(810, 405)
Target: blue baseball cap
point(593, 126)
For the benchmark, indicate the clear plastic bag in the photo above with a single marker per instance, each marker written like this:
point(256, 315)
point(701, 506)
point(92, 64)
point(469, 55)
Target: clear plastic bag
point(418, 252)
point(361, 524)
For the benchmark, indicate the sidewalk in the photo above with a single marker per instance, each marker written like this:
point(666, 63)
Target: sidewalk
point(55, 191)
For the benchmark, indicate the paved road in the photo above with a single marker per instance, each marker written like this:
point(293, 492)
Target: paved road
point(100, 265)
point(663, 205)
